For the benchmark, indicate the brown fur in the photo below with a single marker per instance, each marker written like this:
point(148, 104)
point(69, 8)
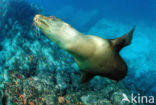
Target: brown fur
point(94, 55)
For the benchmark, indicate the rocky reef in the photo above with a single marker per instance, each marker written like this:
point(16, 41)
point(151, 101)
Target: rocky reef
point(34, 71)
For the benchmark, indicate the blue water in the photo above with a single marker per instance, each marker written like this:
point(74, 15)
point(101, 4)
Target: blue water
point(121, 9)
point(31, 54)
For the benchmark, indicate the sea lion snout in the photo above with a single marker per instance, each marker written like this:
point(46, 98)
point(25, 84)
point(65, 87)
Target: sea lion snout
point(37, 17)
point(36, 20)
point(42, 21)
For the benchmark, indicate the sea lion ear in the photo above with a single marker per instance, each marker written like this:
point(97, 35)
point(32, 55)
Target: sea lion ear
point(85, 77)
point(122, 41)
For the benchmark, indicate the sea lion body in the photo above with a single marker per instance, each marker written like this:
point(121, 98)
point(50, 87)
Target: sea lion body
point(104, 61)
point(94, 55)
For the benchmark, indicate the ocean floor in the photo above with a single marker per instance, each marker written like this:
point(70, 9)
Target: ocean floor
point(35, 71)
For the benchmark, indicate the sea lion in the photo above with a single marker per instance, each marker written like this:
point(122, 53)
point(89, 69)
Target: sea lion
point(94, 55)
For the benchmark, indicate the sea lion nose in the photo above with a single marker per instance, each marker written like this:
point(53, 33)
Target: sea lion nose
point(37, 17)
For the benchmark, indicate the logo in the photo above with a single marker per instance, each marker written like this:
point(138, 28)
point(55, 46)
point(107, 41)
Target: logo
point(138, 99)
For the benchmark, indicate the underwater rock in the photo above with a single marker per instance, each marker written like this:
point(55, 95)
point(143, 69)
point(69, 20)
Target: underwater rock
point(95, 100)
point(61, 84)
point(89, 100)
point(25, 12)
point(105, 102)
point(100, 81)
point(1, 47)
point(116, 99)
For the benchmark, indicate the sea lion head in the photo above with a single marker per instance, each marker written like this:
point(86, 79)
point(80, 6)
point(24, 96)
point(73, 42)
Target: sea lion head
point(48, 25)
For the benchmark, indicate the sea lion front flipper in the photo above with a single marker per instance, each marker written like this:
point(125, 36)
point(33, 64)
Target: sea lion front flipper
point(85, 77)
point(123, 41)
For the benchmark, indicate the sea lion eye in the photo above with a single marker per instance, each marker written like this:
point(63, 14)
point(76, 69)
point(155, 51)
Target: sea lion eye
point(43, 22)
point(53, 17)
